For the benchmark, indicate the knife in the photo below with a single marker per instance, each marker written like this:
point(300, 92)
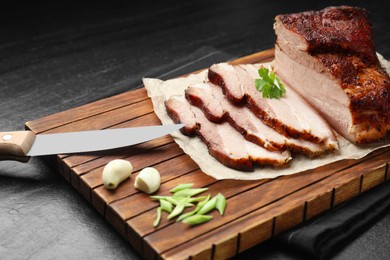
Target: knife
point(21, 145)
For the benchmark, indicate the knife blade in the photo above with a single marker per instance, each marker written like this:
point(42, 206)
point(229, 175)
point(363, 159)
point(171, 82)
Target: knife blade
point(21, 145)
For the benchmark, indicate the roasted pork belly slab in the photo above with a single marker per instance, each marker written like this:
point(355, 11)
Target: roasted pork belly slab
point(328, 57)
point(210, 99)
point(342, 29)
point(291, 115)
point(224, 143)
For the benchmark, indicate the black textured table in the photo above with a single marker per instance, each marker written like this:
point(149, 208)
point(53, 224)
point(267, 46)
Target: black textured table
point(58, 55)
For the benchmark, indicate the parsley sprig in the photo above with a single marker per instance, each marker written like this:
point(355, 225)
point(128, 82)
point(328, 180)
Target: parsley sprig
point(269, 84)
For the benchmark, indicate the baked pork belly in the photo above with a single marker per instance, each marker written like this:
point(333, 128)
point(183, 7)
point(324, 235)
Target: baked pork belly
point(290, 115)
point(224, 143)
point(328, 57)
point(214, 104)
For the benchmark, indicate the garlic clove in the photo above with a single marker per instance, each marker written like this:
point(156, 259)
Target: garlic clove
point(148, 180)
point(115, 172)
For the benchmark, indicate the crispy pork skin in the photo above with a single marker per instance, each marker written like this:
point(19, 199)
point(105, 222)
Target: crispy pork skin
point(224, 143)
point(328, 57)
point(291, 115)
point(210, 99)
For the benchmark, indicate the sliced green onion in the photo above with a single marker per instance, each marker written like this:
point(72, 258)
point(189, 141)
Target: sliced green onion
point(189, 192)
point(186, 215)
point(197, 219)
point(208, 206)
point(221, 203)
point(177, 210)
point(158, 218)
point(180, 187)
point(165, 205)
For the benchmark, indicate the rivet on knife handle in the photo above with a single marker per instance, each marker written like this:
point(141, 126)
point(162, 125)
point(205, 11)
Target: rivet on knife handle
point(15, 145)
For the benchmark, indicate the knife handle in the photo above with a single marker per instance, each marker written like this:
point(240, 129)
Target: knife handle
point(15, 145)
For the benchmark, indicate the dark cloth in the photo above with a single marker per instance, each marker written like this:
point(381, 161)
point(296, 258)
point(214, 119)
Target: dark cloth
point(335, 228)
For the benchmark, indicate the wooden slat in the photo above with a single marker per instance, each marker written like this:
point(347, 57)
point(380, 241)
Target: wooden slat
point(318, 204)
point(79, 113)
point(264, 56)
point(257, 210)
point(107, 119)
point(374, 178)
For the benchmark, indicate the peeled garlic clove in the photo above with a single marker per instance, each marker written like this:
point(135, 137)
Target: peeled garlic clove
point(148, 180)
point(115, 172)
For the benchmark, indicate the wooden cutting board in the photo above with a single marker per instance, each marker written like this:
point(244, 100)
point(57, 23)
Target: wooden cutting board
point(256, 211)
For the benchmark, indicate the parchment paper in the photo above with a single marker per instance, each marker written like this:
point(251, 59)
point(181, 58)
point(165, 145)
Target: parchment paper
point(159, 91)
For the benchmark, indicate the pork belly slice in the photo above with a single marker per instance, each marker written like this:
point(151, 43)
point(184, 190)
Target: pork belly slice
point(210, 99)
point(224, 143)
point(182, 115)
point(291, 115)
point(329, 58)
point(225, 76)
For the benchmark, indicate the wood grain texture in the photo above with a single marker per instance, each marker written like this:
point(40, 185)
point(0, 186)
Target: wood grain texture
point(256, 211)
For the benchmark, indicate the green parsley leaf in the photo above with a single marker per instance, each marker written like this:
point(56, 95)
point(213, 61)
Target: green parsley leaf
point(269, 84)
